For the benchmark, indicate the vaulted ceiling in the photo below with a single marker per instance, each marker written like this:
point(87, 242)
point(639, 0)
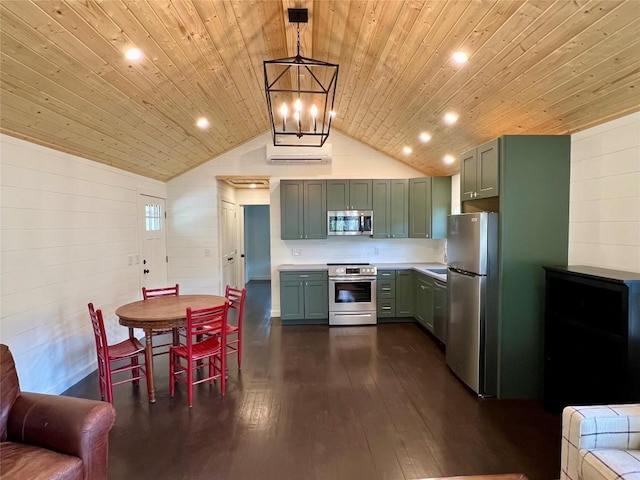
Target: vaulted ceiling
point(535, 67)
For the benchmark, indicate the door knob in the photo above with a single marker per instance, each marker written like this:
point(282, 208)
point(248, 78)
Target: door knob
point(146, 270)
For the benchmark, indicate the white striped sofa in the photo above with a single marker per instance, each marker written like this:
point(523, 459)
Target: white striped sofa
point(601, 442)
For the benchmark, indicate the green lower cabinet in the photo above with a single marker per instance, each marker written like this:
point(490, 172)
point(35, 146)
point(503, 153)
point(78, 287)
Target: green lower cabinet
point(424, 301)
point(291, 300)
point(316, 300)
point(304, 297)
point(395, 294)
point(386, 293)
point(405, 294)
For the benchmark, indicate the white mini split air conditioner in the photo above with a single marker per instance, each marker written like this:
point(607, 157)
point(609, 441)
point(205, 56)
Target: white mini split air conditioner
point(310, 155)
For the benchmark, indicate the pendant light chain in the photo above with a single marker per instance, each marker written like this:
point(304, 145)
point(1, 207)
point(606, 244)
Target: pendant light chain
point(289, 80)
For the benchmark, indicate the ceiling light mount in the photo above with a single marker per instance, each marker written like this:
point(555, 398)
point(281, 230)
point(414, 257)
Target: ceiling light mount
point(300, 93)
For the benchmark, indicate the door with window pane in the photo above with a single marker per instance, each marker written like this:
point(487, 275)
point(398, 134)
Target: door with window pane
point(153, 247)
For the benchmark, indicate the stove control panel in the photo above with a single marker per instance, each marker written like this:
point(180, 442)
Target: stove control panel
point(353, 270)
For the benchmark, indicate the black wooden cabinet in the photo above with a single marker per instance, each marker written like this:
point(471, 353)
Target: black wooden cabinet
point(592, 337)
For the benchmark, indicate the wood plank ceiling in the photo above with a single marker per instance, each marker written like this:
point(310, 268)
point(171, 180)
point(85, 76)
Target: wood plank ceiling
point(537, 67)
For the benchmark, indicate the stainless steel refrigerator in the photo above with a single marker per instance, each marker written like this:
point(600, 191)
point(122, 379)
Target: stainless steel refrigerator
point(472, 299)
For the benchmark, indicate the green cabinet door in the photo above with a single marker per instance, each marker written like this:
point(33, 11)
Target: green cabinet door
point(291, 300)
point(440, 205)
point(316, 300)
point(337, 194)
point(349, 194)
point(479, 172)
point(382, 209)
point(303, 209)
point(420, 207)
point(405, 293)
point(468, 174)
point(361, 194)
point(424, 301)
point(429, 206)
point(440, 310)
point(315, 209)
point(399, 209)
point(487, 170)
point(291, 209)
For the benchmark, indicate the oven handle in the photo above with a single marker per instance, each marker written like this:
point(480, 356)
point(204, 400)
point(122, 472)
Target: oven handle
point(352, 279)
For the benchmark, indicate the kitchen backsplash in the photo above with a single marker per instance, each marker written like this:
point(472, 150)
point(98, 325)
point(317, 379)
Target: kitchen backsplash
point(357, 249)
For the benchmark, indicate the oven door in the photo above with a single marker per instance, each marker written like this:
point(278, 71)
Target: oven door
point(352, 294)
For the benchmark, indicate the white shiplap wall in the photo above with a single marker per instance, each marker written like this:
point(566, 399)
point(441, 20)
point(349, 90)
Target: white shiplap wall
point(193, 202)
point(68, 227)
point(604, 215)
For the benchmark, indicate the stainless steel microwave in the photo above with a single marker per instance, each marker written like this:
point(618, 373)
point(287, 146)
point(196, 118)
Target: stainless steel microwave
point(350, 222)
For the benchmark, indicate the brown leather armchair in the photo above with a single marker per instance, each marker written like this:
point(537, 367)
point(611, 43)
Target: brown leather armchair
point(50, 436)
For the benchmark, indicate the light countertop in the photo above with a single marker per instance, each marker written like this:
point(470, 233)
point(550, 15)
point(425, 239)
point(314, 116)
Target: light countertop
point(418, 267)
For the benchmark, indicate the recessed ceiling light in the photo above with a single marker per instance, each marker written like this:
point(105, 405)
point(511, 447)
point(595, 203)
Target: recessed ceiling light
point(450, 118)
point(449, 159)
point(407, 150)
point(425, 137)
point(332, 114)
point(133, 54)
point(460, 57)
point(202, 123)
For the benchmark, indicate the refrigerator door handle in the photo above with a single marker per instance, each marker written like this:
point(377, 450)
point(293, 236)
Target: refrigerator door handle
point(463, 272)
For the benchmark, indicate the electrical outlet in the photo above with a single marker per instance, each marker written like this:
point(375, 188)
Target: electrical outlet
point(130, 259)
point(207, 252)
point(296, 252)
point(376, 251)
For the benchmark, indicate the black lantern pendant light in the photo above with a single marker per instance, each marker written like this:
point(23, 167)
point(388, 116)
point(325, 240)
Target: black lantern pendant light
point(300, 94)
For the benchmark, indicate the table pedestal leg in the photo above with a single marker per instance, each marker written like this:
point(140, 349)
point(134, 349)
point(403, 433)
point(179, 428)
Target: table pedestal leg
point(148, 353)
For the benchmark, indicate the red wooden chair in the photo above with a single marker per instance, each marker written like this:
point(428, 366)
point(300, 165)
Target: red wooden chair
point(236, 299)
point(159, 349)
point(190, 355)
point(128, 351)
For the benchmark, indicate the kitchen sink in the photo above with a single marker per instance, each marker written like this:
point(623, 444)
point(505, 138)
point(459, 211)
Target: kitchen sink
point(439, 271)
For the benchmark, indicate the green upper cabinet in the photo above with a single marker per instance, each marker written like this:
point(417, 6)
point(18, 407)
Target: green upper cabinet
point(391, 208)
point(429, 206)
point(353, 194)
point(291, 209)
point(303, 211)
point(479, 172)
point(315, 209)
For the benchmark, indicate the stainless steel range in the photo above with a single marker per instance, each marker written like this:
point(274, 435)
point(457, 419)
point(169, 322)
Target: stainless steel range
point(352, 294)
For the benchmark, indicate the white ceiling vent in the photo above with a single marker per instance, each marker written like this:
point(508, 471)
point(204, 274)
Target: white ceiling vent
point(309, 155)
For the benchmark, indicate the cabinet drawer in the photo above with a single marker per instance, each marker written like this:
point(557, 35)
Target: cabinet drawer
point(386, 289)
point(386, 308)
point(386, 275)
point(303, 276)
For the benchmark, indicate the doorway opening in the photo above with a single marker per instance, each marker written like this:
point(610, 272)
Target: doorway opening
point(257, 243)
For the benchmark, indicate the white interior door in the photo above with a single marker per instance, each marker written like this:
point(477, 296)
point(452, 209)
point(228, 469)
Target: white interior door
point(153, 241)
point(228, 244)
point(242, 266)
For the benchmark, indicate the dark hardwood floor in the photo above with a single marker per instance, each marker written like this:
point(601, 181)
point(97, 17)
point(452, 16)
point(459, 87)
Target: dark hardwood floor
point(314, 402)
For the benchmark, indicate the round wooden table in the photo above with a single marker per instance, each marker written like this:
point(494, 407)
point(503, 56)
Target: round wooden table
point(162, 313)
